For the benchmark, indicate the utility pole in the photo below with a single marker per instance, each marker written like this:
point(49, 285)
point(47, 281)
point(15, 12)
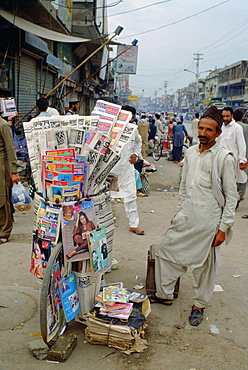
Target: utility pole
point(165, 93)
point(197, 58)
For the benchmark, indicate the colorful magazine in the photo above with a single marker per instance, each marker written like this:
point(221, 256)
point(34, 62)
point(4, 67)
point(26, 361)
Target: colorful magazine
point(74, 231)
point(99, 256)
point(48, 222)
point(41, 251)
point(111, 294)
point(69, 297)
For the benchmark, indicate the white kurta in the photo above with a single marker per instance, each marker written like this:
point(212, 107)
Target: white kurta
point(125, 170)
point(194, 130)
point(160, 127)
point(232, 138)
point(188, 241)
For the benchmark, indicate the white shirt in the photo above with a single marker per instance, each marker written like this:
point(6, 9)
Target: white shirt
point(52, 111)
point(188, 240)
point(232, 138)
point(194, 130)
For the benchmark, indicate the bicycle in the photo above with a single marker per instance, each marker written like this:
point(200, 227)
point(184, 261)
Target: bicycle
point(162, 147)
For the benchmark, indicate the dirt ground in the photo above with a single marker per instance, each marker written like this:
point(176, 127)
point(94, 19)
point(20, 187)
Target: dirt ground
point(173, 343)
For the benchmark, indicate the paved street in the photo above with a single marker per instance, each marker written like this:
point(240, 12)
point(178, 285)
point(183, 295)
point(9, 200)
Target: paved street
point(173, 343)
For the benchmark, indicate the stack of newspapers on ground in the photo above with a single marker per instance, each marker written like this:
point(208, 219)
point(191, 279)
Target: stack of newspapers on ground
point(118, 319)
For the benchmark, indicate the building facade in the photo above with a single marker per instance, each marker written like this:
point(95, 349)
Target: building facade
point(32, 65)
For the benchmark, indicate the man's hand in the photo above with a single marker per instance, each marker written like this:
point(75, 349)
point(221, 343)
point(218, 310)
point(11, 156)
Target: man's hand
point(242, 166)
point(15, 178)
point(14, 116)
point(219, 238)
point(133, 158)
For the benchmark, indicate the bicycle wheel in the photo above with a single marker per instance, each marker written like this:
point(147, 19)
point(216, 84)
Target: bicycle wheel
point(52, 318)
point(157, 151)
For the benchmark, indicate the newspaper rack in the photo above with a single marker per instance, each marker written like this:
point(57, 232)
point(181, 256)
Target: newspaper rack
point(71, 158)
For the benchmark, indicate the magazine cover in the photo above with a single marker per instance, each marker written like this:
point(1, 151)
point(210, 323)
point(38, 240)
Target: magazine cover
point(48, 222)
point(69, 297)
point(77, 222)
point(39, 257)
point(53, 320)
point(55, 292)
point(99, 256)
point(111, 294)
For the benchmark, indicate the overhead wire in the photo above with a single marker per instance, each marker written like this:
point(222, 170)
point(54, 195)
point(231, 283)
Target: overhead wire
point(227, 34)
point(142, 7)
point(176, 22)
point(94, 7)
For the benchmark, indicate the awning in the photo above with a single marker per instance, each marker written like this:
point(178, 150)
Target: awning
point(38, 30)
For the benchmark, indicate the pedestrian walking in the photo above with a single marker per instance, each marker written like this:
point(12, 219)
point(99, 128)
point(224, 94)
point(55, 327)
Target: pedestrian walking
point(237, 116)
point(232, 138)
point(144, 129)
point(73, 106)
point(8, 173)
point(179, 132)
point(158, 124)
point(126, 176)
point(194, 129)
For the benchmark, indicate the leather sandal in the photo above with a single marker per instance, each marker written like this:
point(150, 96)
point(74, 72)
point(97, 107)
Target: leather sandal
point(3, 239)
point(141, 195)
point(154, 299)
point(137, 231)
point(196, 316)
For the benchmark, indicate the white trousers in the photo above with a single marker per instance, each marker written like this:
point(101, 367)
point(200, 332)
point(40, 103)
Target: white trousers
point(132, 212)
point(167, 273)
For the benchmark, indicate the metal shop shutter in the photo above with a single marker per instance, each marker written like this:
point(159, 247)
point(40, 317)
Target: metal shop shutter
point(27, 84)
point(45, 81)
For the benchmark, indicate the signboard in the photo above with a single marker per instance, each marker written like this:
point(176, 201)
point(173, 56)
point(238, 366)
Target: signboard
point(206, 101)
point(127, 62)
point(133, 97)
point(7, 107)
point(53, 61)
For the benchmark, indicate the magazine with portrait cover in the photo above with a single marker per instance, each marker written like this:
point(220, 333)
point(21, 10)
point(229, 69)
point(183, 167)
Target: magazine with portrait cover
point(69, 297)
point(48, 222)
point(99, 255)
point(77, 221)
point(41, 250)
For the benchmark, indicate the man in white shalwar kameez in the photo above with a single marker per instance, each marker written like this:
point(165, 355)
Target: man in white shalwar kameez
point(205, 216)
point(126, 176)
point(232, 138)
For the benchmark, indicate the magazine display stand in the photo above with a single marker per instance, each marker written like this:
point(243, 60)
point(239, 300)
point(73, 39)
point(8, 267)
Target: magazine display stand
point(70, 159)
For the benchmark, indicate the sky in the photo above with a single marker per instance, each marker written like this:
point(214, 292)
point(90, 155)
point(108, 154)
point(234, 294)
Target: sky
point(220, 34)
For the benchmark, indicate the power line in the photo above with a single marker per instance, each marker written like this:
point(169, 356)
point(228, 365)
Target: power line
point(94, 7)
point(176, 22)
point(227, 34)
point(142, 7)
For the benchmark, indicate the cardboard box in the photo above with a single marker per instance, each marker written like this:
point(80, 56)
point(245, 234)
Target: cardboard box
point(7, 107)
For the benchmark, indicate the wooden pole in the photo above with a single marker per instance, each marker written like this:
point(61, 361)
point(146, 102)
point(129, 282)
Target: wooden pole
point(65, 78)
point(93, 74)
